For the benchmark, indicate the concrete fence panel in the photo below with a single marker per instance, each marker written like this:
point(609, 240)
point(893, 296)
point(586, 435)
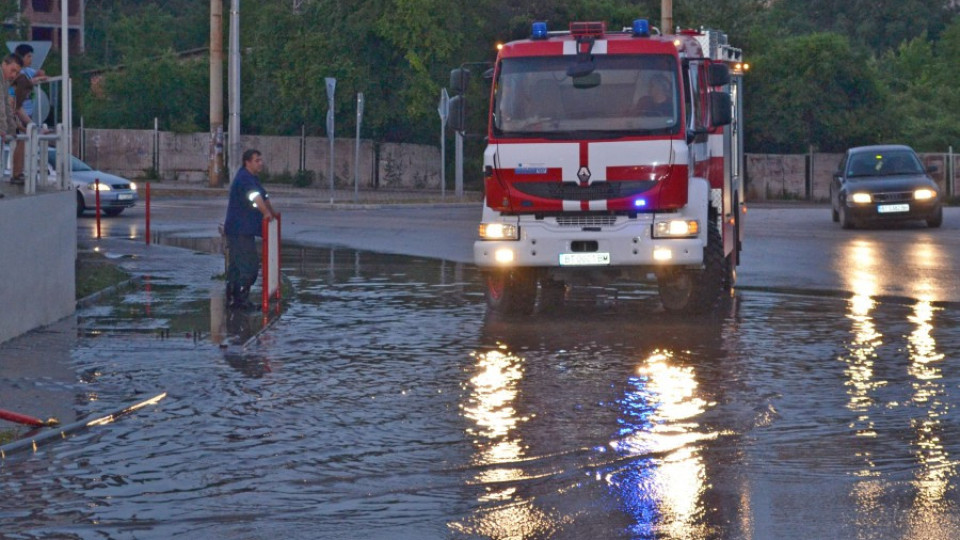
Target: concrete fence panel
point(184, 157)
point(318, 160)
point(126, 152)
point(409, 166)
point(772, 176)
point(824, 167)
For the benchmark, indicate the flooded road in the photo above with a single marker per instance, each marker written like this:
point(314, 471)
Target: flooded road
point(386, 403)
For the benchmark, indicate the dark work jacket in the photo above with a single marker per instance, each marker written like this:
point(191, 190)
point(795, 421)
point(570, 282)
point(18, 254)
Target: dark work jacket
point(243, 217)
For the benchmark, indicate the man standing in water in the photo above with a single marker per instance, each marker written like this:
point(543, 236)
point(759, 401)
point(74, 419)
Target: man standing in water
point(248, 205)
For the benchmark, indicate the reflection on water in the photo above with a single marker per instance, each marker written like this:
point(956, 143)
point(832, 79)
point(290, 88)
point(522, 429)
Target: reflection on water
point(502, 511)
point(660, 425)
point(934, 471)
point(386, 403)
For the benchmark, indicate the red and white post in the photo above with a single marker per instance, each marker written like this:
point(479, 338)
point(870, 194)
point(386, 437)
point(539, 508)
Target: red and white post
point(271, 261)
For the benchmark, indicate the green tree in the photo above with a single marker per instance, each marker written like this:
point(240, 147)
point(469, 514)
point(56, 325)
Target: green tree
point(813, 90)
point(177, 95)
point(923, 81)
point(877, 24)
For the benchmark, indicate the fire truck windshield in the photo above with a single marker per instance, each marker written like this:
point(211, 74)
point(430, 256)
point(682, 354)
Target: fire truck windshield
point(626, 95)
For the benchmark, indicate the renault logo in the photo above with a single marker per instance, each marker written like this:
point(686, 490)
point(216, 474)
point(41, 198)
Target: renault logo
point(584, 174)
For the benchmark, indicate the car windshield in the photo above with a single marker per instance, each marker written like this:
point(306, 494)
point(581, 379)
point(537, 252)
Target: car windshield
point(623, 95)
point(75, 164)
point(890, 163)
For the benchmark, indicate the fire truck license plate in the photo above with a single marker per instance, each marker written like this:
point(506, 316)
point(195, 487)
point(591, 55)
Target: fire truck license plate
point(890, 208)
point(584, 259)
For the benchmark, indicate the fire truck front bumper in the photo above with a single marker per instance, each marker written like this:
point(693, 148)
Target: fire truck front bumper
point(635, 242)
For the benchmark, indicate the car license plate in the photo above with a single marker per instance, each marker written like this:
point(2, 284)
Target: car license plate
point(893, 208)
point(584, 259)
point(124, 196)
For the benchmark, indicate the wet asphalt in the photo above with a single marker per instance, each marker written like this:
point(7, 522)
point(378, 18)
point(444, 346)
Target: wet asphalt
point(385, 402)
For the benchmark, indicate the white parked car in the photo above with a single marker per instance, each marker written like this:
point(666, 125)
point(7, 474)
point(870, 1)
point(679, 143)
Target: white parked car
point(116, 192)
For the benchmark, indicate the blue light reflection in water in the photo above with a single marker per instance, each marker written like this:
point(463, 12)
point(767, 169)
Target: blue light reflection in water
point(662, 488)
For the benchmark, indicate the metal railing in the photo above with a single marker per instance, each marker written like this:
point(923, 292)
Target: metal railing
point(36, 161)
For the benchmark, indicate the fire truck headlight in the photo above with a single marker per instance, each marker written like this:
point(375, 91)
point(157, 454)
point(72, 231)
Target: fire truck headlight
point(924, 194)
point(676, 228)
point(861, 198)
point(499, 231)
point(504, 256)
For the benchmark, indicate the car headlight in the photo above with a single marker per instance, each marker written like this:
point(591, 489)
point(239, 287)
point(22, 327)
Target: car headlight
point(861, 198)
point(924, 194)
point(676, 228)
point(133, 187)
point(499, 231)
point(94, 186)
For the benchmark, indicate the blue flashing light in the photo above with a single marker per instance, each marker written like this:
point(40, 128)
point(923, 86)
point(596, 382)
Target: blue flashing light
point(641, 28)
point(639, 203)
point(539, 30)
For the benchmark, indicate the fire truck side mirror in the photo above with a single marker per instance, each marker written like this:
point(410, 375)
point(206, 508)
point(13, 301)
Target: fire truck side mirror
point(456, 113)
point(721, 109)
point(718, 75)
point(459, 80)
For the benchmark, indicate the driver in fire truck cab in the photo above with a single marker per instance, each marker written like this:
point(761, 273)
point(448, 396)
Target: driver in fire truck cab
point(657, 102)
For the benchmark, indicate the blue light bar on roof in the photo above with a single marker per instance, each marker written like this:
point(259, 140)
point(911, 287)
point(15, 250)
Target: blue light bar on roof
point(539, 30)
point(641, 28)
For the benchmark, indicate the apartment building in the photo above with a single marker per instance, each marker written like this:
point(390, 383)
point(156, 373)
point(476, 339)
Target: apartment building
point(43, 21)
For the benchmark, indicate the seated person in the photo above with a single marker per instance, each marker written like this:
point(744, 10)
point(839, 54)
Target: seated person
point(658, 101)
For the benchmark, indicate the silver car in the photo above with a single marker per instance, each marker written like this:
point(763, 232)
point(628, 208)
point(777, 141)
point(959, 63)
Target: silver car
point(116, 193)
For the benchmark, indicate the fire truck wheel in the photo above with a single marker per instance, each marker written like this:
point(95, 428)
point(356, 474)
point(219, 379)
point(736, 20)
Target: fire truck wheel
point(511, 291)
point(551, 293)
point(697, 291)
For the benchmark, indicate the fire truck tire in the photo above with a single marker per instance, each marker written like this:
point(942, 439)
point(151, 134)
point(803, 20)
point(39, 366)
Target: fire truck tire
point(697, 291)
point(511, 291)
point(552, 293)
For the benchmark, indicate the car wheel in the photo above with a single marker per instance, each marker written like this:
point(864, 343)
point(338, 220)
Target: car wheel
point(80, 206)
point(833, 208)
point(845, 220)
point(936, 220)
point(112, 212)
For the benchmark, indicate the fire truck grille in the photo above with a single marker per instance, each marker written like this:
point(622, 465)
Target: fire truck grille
point(598, 191)
point(894, 196)
point(586, 220)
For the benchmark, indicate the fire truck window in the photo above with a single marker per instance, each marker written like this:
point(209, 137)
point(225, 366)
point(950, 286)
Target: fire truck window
point(534, 96)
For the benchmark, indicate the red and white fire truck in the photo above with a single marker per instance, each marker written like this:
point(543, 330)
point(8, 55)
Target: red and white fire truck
point(613, 155)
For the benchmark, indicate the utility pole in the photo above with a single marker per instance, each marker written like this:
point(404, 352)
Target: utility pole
point(215, 169)
point(666, 16)
point(233, 73)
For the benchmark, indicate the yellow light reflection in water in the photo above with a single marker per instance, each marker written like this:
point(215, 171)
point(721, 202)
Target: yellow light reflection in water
point(678, 478)
point(493, 391)
point(858, 264)
point(860, 261)
point(936, 469)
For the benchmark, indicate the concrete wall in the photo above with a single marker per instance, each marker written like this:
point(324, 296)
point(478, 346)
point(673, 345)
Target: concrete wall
point(185, 157)
point(37, 274)
point(783, 176)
